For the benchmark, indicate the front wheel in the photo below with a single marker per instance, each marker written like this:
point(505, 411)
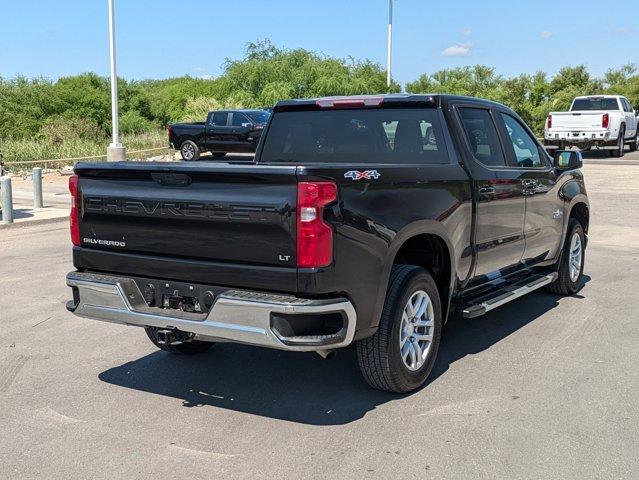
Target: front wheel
point(634, 145)
point(571, 263)
point(401, 354)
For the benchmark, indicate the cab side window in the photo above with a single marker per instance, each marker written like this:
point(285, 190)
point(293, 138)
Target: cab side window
point(524, 147)
point(219, 119)
point(482, 137)
point(240, 120)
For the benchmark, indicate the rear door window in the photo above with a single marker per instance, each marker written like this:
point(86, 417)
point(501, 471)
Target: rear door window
point(482, 136)
point(219, 119)
point(385, 135)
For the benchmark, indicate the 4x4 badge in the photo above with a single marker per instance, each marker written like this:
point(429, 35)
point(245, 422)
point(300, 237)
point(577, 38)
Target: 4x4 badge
point(366, 174)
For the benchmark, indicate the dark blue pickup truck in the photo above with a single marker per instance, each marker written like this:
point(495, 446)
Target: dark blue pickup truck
point(226, 131)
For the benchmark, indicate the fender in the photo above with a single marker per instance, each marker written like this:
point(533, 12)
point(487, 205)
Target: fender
point(573, 191)
point(420, 227)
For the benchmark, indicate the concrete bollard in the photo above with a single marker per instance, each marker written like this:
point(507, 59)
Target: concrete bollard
point(5, 200)
point(37, 187)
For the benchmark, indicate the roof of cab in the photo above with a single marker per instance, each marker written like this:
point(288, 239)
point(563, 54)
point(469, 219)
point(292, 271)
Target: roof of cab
point(375, 101)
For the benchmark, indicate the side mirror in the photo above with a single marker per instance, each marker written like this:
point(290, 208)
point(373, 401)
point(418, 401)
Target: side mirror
point(247, 124)
point(568, 160)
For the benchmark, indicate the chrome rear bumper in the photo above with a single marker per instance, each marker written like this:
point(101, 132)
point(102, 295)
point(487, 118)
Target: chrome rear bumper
point(237, 315)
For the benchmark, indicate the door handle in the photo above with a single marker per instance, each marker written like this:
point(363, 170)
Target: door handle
point(529, 186)
point(486, 190)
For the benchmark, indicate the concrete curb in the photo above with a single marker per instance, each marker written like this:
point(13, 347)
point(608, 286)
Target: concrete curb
point(35, 221)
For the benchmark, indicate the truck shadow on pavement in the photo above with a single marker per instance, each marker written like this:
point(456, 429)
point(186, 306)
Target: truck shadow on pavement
point(302, 387)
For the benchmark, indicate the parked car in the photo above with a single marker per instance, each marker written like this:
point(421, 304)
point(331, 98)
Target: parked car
point(334, 235)
point(600, 120)
point(227, 131)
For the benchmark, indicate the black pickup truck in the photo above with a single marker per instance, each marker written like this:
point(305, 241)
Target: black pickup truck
point(227, 131)
point(362, 220)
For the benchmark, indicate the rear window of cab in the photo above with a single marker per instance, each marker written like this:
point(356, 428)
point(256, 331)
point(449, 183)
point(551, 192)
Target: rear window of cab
point(384, 136)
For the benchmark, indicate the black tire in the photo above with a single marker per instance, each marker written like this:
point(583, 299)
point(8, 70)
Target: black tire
point(190, 151)
point(619, 150)
point(188, 348)
point(565, 285)
point(379, 357)
point(634, 145)
point(219, 154)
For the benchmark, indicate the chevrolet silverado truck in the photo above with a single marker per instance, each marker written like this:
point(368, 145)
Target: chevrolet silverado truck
point(365, 221)
point(227, 131)
point(601, 121)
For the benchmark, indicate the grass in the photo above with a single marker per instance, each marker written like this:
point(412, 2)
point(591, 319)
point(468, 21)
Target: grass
point(26, 150)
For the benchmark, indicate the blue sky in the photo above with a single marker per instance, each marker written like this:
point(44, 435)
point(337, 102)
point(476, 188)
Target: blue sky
point(162, 38)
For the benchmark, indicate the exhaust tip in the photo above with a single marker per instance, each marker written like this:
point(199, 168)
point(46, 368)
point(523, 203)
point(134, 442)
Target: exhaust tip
point(327, 354)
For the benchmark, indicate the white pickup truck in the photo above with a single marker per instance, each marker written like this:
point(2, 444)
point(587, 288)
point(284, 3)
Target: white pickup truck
point(597, 120)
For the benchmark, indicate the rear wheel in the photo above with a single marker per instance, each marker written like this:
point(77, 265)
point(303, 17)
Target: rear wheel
point(571, 264)
point(219, 154)
point(619, 150)
point(189, 151)
point(401, 354)
point(186, 348)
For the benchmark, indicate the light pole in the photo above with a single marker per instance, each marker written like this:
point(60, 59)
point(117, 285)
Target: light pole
point(115, 151)
point(390, 43)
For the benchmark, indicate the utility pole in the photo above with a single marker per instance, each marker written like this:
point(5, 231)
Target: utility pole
point(115, 151)
point(389, 53)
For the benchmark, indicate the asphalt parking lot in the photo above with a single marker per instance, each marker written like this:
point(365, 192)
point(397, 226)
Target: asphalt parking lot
point(543, 388)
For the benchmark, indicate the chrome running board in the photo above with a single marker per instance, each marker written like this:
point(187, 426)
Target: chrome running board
point(506, 294)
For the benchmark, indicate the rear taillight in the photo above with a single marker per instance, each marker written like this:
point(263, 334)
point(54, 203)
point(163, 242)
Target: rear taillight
point(74, 218)
point(169, 129)
point(605, 120)
point(549, 121)
point(314, 236)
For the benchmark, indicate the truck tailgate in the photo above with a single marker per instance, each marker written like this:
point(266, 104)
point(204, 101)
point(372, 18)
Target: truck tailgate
point(577, 121)
point(207, 212)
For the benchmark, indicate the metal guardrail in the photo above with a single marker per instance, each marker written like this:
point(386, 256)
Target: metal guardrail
point(75, 159)
point(6, 195)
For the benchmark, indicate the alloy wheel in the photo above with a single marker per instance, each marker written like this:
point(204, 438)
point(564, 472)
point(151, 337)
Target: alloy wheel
point(576, 257)
point(416, 330)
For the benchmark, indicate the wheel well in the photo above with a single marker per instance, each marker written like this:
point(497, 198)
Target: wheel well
point(581, 213)
point(184, 138)
point(431, 253)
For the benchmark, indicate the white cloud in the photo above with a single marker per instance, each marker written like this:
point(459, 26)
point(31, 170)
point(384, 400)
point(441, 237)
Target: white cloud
point(624, 30)
point(458, 50)
point(545, 34)
point(466, 32)
point(202, 72)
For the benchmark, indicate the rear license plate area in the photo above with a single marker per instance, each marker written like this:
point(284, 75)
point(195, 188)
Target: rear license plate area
point(185, 304)
point(186, 297)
